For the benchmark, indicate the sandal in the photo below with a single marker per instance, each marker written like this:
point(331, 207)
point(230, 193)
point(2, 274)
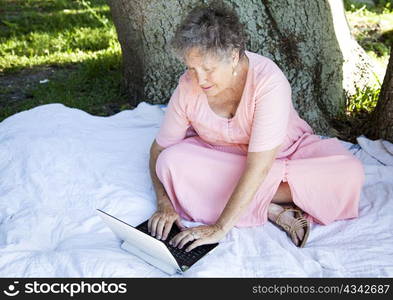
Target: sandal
point(298, 223)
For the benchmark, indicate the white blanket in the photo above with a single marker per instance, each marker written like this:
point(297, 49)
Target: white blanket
point(58, 164)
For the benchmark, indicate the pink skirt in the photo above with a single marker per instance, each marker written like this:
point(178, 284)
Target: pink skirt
point(325, 180)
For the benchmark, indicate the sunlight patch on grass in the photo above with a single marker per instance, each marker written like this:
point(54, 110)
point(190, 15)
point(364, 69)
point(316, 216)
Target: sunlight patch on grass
point(14, 62)
point(372, 27)
point(75, 41)
point(56, 32)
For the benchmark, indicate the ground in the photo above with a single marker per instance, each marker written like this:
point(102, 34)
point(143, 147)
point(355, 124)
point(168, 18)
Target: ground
point(15, 87)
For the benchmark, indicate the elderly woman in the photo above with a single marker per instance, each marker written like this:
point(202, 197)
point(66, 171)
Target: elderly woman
point(233, 151)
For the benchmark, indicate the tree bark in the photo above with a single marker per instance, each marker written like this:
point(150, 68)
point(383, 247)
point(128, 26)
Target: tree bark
point(298, 35)
point(380, 125)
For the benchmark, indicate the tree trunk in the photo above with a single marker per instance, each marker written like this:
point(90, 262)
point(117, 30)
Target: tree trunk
point(380, 125)
point(298, 35)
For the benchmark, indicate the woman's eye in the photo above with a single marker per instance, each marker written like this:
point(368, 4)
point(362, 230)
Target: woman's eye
point(205, 70)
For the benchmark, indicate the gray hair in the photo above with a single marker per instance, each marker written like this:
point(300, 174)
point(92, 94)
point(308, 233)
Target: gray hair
point(214, 29)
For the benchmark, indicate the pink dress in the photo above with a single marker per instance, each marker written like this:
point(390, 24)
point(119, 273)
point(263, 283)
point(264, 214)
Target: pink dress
point(205, 153)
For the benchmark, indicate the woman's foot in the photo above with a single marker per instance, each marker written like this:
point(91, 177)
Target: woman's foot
point(288, 219)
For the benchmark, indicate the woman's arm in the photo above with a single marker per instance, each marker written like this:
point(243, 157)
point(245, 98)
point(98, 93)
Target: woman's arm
point(162, 196)
point(160, 223)
point(258, 165)
point(173, 129)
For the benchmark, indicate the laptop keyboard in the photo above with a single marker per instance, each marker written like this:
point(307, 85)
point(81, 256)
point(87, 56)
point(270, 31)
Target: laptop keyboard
point(184, 259)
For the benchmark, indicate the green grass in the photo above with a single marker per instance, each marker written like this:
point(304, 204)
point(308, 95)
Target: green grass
point(372, 30)
point(77, 39)
point(380, 6)
point(364, 101)
point(372, 26)
point(64, 32)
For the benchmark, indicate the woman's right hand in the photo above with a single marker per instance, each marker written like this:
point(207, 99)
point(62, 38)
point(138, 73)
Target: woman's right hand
point(160, 223)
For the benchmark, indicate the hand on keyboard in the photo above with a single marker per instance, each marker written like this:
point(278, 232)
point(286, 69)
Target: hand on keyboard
point(199, 235)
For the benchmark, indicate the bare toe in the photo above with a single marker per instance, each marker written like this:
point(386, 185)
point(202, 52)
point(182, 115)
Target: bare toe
point(295, 240)
point(300, 234)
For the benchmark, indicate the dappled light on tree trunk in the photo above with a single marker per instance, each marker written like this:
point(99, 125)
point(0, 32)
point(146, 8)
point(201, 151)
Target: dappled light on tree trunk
point(310, 42)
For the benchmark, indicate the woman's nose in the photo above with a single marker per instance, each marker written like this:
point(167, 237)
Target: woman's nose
point(201, 79)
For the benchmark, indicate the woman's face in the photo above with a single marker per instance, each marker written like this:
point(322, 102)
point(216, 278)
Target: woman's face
point(212, 74)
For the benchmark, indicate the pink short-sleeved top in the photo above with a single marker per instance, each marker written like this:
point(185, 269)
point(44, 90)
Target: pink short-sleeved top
point(265, 117)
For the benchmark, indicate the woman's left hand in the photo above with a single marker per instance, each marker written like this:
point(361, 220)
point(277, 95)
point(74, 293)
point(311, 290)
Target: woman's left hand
point(201, 235)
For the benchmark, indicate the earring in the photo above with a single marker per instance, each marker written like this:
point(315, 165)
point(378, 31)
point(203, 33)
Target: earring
point(234, 73)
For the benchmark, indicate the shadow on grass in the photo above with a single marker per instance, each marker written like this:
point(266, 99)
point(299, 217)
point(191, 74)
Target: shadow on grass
point(93, 85)
point(40, 40)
